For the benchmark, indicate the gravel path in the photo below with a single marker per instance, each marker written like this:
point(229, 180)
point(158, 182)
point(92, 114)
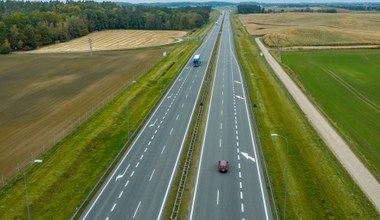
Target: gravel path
point(361, 175)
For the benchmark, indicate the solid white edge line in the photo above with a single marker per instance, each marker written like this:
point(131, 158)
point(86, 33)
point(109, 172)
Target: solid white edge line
point(203, 142)
point(188, 125)
point(250, 129)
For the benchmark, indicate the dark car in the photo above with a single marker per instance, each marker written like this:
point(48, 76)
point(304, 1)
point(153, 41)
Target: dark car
point(223, 166)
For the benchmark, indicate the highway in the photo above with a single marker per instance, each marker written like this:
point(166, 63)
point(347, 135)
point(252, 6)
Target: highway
point(138, 187)
point(241, 192)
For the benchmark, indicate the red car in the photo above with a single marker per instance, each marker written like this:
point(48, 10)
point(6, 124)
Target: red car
point(223, 166)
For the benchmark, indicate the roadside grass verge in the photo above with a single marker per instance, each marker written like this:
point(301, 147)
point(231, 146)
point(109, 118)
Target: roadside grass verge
point(345, 86)
point(318, 186)
point(72, 167)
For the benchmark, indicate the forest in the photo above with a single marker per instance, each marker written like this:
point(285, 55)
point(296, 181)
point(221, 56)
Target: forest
point(26, 25)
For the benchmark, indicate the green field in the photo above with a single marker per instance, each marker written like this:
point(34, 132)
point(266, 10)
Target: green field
point(345, 84)
point(318, 186)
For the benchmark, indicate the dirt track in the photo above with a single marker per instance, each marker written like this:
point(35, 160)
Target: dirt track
point(361, 175)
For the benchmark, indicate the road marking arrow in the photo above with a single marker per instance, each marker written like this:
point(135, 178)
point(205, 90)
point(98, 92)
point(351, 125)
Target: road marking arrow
point(237, 82)
point(151, 125)
point(248, 157)
point(121, 175)
point(239, 97)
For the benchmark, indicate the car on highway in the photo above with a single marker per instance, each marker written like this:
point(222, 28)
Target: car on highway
point(223, 166)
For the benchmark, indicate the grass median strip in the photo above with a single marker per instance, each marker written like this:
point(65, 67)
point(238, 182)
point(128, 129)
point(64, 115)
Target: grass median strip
point(318, 186)
point(70, 169)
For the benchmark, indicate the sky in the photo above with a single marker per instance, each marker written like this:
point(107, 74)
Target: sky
point(262, 1)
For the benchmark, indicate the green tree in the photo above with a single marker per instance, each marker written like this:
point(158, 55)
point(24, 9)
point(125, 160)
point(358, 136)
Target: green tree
point(5, 48)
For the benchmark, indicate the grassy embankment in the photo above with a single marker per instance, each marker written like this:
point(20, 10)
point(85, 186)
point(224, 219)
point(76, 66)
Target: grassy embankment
point(345, 85)
point(318, 186)
point(69, 171)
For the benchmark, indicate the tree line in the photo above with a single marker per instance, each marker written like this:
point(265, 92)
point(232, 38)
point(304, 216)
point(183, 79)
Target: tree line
point(28, 25)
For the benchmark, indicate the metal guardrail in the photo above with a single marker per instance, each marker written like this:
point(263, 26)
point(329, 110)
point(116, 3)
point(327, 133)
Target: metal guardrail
point(186, 167)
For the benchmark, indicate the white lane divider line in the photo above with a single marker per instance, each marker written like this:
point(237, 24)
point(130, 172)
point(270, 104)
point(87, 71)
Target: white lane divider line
point(177, 117)
point(158, 126)
point(182, 105)
point(151, 175)
point(155, 132)
point(152, 137)
point(240, 185)
point(241, 195)
point(221, 112)
point(133, 172)
point(126, 184)
point(113, 207)
point(242, 207)
point(149, 143)
point(186, 96)
point(239, 174)
point(121, 175)
point(238, 158)
point(237, 143)
point(236, 126)
point(163, 149)
point(239, 165)
point(237, 149)
point(161, 121)
point(237, 137)
point(236, 132)
point(137, 164)
point(220, 142)
point(221, 125)
point(138, 206)
point(151, 125)
point(121, 193)
point(171, 130)
point(217, 197)
point(222, 101)
point(164, 117)
point(107, 218)
point(145, 149)
point(141, 157)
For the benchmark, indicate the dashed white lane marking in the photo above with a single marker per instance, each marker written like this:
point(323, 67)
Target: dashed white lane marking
point(121, 193)
point(221, 112)
point(186, 96)
point(236, 126)
point(151, 175)
point(222, 101)
point(133, 172)
point(242, 207)
point(141, 156)
point(237, 138)
point(149, 143)
point(238, 158)
point(220, 142)
point(240, 185)
point(235, 114)
point(177, 117)
point(161, 121)
point(137, 164)
point(182, 105)
point(158, 126)
point(166, 113)
point(171, 130)
point(152, 137)
point(222, 93)
point(107, 218)
point(237, 149)
point(163, 149)
point(221, 125)
point(138, 206)
point(239, 174)
point(164, 117)
point(217, 197)
point(237, 143)
point(236, 132)
point(239, 165)
point(241, 195)
point(113, 207)
point(155, 132)
point(145, 149)
point(126, 184)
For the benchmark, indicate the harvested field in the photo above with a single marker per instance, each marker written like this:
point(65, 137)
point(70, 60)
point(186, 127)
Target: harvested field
point(314, 29)
point(115, 40)
point(43, 95)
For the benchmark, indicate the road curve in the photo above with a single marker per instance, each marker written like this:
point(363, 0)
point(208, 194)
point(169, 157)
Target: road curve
point(361, 175)
point(241, 192)
point(138, 187)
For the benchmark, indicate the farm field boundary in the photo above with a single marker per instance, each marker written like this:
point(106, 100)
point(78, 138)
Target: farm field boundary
point(318, 185)
point(70, 170)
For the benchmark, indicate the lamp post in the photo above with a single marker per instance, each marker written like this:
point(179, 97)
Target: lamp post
point(26, 188)
point(286, 169)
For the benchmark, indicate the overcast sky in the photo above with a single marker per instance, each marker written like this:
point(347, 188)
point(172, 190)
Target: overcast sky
point(263, 1)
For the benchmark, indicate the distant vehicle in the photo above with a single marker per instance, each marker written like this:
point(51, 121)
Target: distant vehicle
point(223, 166)
point(197, 60)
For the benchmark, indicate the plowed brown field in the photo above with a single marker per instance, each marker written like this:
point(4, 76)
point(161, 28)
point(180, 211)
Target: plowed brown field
point(43, 95)
point(115, 40)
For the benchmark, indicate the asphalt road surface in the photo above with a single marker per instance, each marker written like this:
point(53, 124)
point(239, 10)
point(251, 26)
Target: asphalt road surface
point(139, 185)
point(241, 192)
